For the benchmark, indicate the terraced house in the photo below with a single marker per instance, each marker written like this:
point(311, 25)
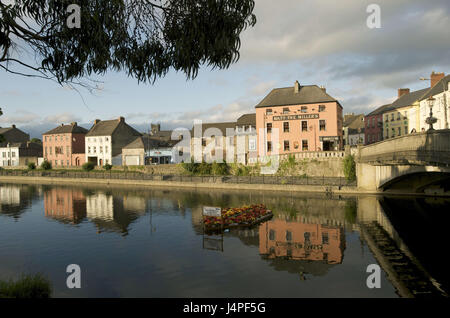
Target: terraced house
point(440, 91)
point(105, 140)
point(307, 119)
point(64, 145)
point(402, 116)
point(374, 125)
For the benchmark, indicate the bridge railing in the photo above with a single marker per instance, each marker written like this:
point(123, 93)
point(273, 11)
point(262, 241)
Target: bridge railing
point(424, 147)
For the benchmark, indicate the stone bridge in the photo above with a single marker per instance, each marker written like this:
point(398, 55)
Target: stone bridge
point(418, 163)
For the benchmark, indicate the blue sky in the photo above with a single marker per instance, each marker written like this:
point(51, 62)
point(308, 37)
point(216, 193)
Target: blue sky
point(315, 42)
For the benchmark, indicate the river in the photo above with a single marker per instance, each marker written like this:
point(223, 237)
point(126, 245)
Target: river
point(141, 242)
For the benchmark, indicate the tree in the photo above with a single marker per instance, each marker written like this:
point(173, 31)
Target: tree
point(36, 140)
point(2, 139)
point(144, 38)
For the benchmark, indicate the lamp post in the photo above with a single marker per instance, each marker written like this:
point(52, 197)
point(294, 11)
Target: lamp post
point(444, 100)
point(431, 120)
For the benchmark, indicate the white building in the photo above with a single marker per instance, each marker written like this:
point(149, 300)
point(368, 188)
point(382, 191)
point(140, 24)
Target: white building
point(105, 140)
point(441, 106)
point(19, 153)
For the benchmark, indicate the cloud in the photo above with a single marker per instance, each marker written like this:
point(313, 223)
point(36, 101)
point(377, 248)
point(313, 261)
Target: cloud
point(62, 118)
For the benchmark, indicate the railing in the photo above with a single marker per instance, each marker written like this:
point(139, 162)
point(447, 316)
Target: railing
point(280, 180)
point(314, 155)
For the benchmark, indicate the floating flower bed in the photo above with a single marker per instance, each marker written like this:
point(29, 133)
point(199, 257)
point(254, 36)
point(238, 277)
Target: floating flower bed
point(235, 217)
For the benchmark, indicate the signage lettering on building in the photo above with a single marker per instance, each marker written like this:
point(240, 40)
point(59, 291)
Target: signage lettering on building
point(296, 117)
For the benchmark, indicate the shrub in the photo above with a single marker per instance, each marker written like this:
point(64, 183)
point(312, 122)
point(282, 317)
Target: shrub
point(220, 169)
point(31, 166)
point(88, 166)
point(350, 168)
point(107, 167)
point(29, 286)
point(46, 165)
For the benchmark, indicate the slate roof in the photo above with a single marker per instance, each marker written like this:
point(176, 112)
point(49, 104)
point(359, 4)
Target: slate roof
point(379, 110)
point(287, 96)
point(247, 120)
point(66, 129)
point(107, 128)
point(13, 134)
point(149, 142)
point(355, 122)
point(437, 88)
point(221, 126)
point(407, 99)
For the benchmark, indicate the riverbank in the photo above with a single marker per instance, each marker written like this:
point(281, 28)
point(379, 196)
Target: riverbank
point(186, 184)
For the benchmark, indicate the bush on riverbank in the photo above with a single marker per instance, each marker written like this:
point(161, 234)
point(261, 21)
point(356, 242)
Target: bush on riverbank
point(28, 286)
point(349, 168)
point(107, 167)
point(45, 165)
point(31, 166)
point(88, 166)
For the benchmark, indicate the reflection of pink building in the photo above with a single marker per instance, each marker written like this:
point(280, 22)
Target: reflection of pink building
point(65, 204)
point(307, 119)
point(64, 145)
point(300, 241)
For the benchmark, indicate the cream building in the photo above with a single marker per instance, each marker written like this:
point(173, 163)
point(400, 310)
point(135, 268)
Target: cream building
point(441, 106)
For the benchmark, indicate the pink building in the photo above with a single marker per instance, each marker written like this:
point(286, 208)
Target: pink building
point(307, 119)
point(64, 145)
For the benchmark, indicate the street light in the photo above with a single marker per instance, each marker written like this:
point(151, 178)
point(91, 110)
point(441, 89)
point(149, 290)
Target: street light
point(444, 100)
point(431, 120)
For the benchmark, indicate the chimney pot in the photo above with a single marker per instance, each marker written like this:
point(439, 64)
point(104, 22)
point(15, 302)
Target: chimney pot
point(402, 91)
point(13, 126)
point(121, 119)
point(296, 86)
point(74, 123)
point(96, 121)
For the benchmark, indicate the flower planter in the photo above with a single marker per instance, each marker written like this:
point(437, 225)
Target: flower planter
point(246, 216)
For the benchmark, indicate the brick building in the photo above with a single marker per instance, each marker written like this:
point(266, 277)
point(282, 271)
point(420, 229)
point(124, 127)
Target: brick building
point(307, 119)
point(374, 125)
point(64, 145)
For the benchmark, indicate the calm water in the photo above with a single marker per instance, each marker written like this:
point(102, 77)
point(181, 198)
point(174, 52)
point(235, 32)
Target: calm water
point(132, 242)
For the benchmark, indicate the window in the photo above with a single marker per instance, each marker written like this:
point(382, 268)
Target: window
point(46, 149)
point(13, 154)
point(56, 138)
point(321, 108)
point(285, 110)
point(101, 149)
point(252, 144)
point(373, 122)
point(399, 131)
point(272, 235)
point(392, 117)
point(387, 118)
point(67, 162)
point(269, 111)
point(286, 126)
point(4, 154)
point(387, 133)
point(325, 239)
point(296, 145)
point(89, 149)
point(398, 116)
point(269, 146)
point(269, 127)
point(106, 149)
point(286, 145)
point(406, 130)
point(67, 150)
point(288, 236)
point(95, 149)
point(203, 142)
point(304, 126)
point(305, 145)
point(304, 109)
point(393, 132)
point(322, 125)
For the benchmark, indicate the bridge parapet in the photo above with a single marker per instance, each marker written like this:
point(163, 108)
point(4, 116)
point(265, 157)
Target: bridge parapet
point(424, 148)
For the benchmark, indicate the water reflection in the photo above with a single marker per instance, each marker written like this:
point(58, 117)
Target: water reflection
point(15, 199)
point(309, 236)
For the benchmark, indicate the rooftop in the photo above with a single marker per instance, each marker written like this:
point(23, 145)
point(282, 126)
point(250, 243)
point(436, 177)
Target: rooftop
point(66, 129)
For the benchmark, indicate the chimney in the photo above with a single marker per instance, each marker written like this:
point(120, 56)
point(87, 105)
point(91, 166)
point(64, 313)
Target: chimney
point(323, 88)
point(402, 91)
point(296, 87)
point(62, 125)
point(74, 123)
point(96, 121)
point(121, 119)
point(436, 77)
point(13, 126)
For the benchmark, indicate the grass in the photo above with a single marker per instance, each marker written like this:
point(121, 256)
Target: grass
point(28, 286)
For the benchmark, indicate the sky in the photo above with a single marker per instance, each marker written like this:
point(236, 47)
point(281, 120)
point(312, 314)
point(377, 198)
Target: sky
point(315, 42)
